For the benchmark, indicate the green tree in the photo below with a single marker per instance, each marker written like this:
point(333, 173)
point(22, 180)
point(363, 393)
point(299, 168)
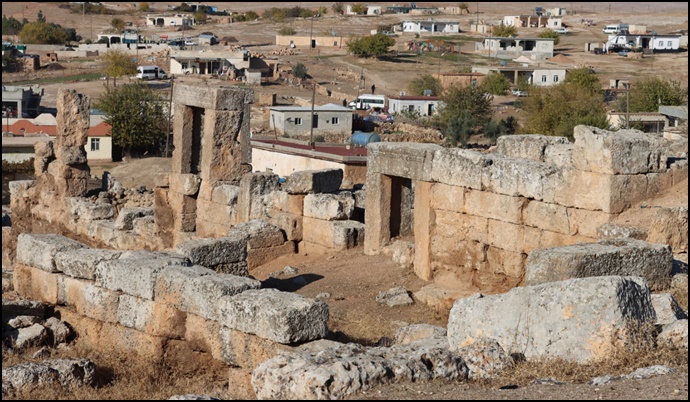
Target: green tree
point(647, 94)
point(359, 8)
point(464, 7)
point(549, 33)
point(251, 16)
point(286, 30)
point(306, 13)
point(43, 33)
point(583, 77)
point(556, 110)
point(367, 46)
point(494, 129)
point(136, 115)
point(144, 7)
point(200, 17)
point(40, 17)
point(458, 100)
point(460, 127)
point(117, 64)
point(299, 71)
point(505, 31)
point(323, 10)
point(11, 25)
point(338, 7)
point(423, 82)
point(118, 24)
point(495, 83)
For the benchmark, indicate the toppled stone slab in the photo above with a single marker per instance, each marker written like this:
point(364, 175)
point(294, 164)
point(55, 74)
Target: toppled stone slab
point(260, 234)
point(412, 333)
point(125, 220)
point(212, 252)
point(329, 207)
point(613, 231)
point(81, 263)
point(336, 372)
point(59, 330)
point(530, 146)
point(278, 316)
point(397, 296)
point(192, 397)
point(485, 359)
point(34, 335)
point(579, 320)
point(675, 335)
point(39, 250)
point(314, 181)
point(639, 374)
point(667, 309)
point(197, 289)
point(73, 372)
point(68, 372)
point(135, 276)
point(87, 210)
point(623, 257)
point(23, 321)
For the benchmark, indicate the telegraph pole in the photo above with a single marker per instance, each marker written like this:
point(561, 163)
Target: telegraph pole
point(311, 130)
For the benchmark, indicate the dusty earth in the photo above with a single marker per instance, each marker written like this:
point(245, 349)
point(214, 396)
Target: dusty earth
point(352, 279)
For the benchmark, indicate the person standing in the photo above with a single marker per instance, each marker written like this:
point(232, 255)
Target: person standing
point(373, 88)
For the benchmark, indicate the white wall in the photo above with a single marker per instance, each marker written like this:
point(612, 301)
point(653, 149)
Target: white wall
point(284, 164)
point(105, 151)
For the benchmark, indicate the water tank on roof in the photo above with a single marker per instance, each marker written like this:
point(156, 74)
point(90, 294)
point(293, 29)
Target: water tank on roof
point(361, 139)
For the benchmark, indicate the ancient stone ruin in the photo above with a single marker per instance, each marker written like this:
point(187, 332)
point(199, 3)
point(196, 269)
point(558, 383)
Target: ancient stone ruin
point(523, 240)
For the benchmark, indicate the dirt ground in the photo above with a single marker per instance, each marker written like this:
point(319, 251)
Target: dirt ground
point(352, 279)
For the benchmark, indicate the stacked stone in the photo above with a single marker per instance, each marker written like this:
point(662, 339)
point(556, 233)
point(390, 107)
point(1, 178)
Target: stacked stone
point(70, 170)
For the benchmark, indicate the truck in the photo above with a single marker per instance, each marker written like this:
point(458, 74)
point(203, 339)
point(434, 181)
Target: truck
point(615, 28)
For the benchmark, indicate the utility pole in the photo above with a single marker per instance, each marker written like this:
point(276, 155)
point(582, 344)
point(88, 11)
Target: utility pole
point(167, 134)
point(477, 23)
point(627, 104)
point(311, 33)
point(311, 130)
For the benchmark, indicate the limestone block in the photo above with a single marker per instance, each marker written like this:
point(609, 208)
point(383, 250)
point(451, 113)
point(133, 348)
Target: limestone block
point(155, 318)
point(329, 207)
point(145, 227)
point(337, 235)
point(460, 167)
point(87, 210)
point(402, 159)
point(211, 252)
point(34, 335)
point(560, 155)
point(613, 231)
point(82, 262)
point(259, 234)
point(43, 155)
point(186, 184)
point(586, 223)
point(494, 206)
point(88, 299)
point(225, 98)
point(580, 320)
point(260, 256)
point(212, 217)
point(72, 119)
point(506, 262)
point(225, 194)
point(71, 155)
point(14, 308)
point(271, 314)
point(281, 201)
point(39, 250)
point(621, 152)
point(667, 309)
point(411, 333)
point(403, 253)
point(626, 257)
point(35, 284)
point(485, 359)
point(253, 188)
point(448, 198)
point(670, 227)
point(125, 220)
point(600, 192)
point(20, 188)
point(245, 350)
point(134, 276)
point(291, 224)
point(658, 183)
point(161, 180)
point(204, 335)
point(675, 335)
point(397, 296)
point(530, 146)
point(27, 375)
point(314, 181)
point(196, 289)
point(521, 177)
point(461, 226)
point(507, 236)
point(545, 216)
point(23, 321)
point(360, 198)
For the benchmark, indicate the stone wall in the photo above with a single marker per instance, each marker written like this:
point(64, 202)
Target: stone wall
point(140, 301)
point(478, 215)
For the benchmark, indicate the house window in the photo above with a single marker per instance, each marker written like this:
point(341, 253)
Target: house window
point(335, 120)
point(669, 44)
point(543, 78)
point(555, 78)
point(298, 121)
point(185, 66)
point(95, 144)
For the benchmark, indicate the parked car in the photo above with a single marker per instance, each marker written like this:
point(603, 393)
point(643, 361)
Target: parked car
point(561, 31)
point(623, 53)
point(190, 43)
point(519, 93)
point(598, 50)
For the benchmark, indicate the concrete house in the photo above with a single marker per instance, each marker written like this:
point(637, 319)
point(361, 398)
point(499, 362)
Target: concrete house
point(430, 26)
point(539, 76)
point(424, 105)
point(657, 43)
point(307, 41)
point(504, 48)
point(533, 21)
point(20, 101)
point(186, 62)
point(296, 120)
point(173, 20)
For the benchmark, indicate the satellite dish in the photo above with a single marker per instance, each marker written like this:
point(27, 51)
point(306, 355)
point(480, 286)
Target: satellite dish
point(428, 92)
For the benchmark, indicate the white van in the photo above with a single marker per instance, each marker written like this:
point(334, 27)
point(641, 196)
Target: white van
point(366, 102)
point(150, 73)
point(615, 28)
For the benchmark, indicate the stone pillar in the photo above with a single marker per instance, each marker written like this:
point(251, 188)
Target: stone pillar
point(424, 219)
point(72, 123)
point(377, 213)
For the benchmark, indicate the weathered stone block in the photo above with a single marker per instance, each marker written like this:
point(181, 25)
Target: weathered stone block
point(586, 223)
point(204, 335)
point(494, 206)
point(459, 167)
point(155, 318)
point(72, 119)
point(621, 152)
point(458, 226)
point(82, 262)
point(88, 299)
point(670, 227)
point(581, 320)
point(521, 177)
point(291, 224)
point(197, 289)
point(612, 231)
point(225, 194)
point(314, 181)
point(667, 309)
point(253, 188)
point(135, 276)
point(675, 335)
point(507, 236)
point(35, 284)
point(600, 192)
point(125, 220)
point(448, 198)
point(530, 146)
point(506, 262)
point(212, 252)
point(245, 350)
point(402, 159)
point(161, 180)
point(279, 316)
point(560, 155)
point(336, 235)
point(545, 216)
point(186, 184)
point(403, 253)
point(329, 207)
point(626, 257)
point(260, 256)
point(259, 233)
point(39, 250)
point(87, 210)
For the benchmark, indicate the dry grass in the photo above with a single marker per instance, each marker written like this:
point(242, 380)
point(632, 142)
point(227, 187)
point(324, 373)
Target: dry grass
point(122, 377)
point(681, 297)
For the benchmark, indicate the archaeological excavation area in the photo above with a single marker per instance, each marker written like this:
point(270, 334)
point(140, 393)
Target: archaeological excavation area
point(537, 247)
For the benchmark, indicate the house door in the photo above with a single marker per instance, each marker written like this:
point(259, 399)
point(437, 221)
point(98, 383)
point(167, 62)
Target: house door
point(430, 110)
point(313, 43)
point(315, 121)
